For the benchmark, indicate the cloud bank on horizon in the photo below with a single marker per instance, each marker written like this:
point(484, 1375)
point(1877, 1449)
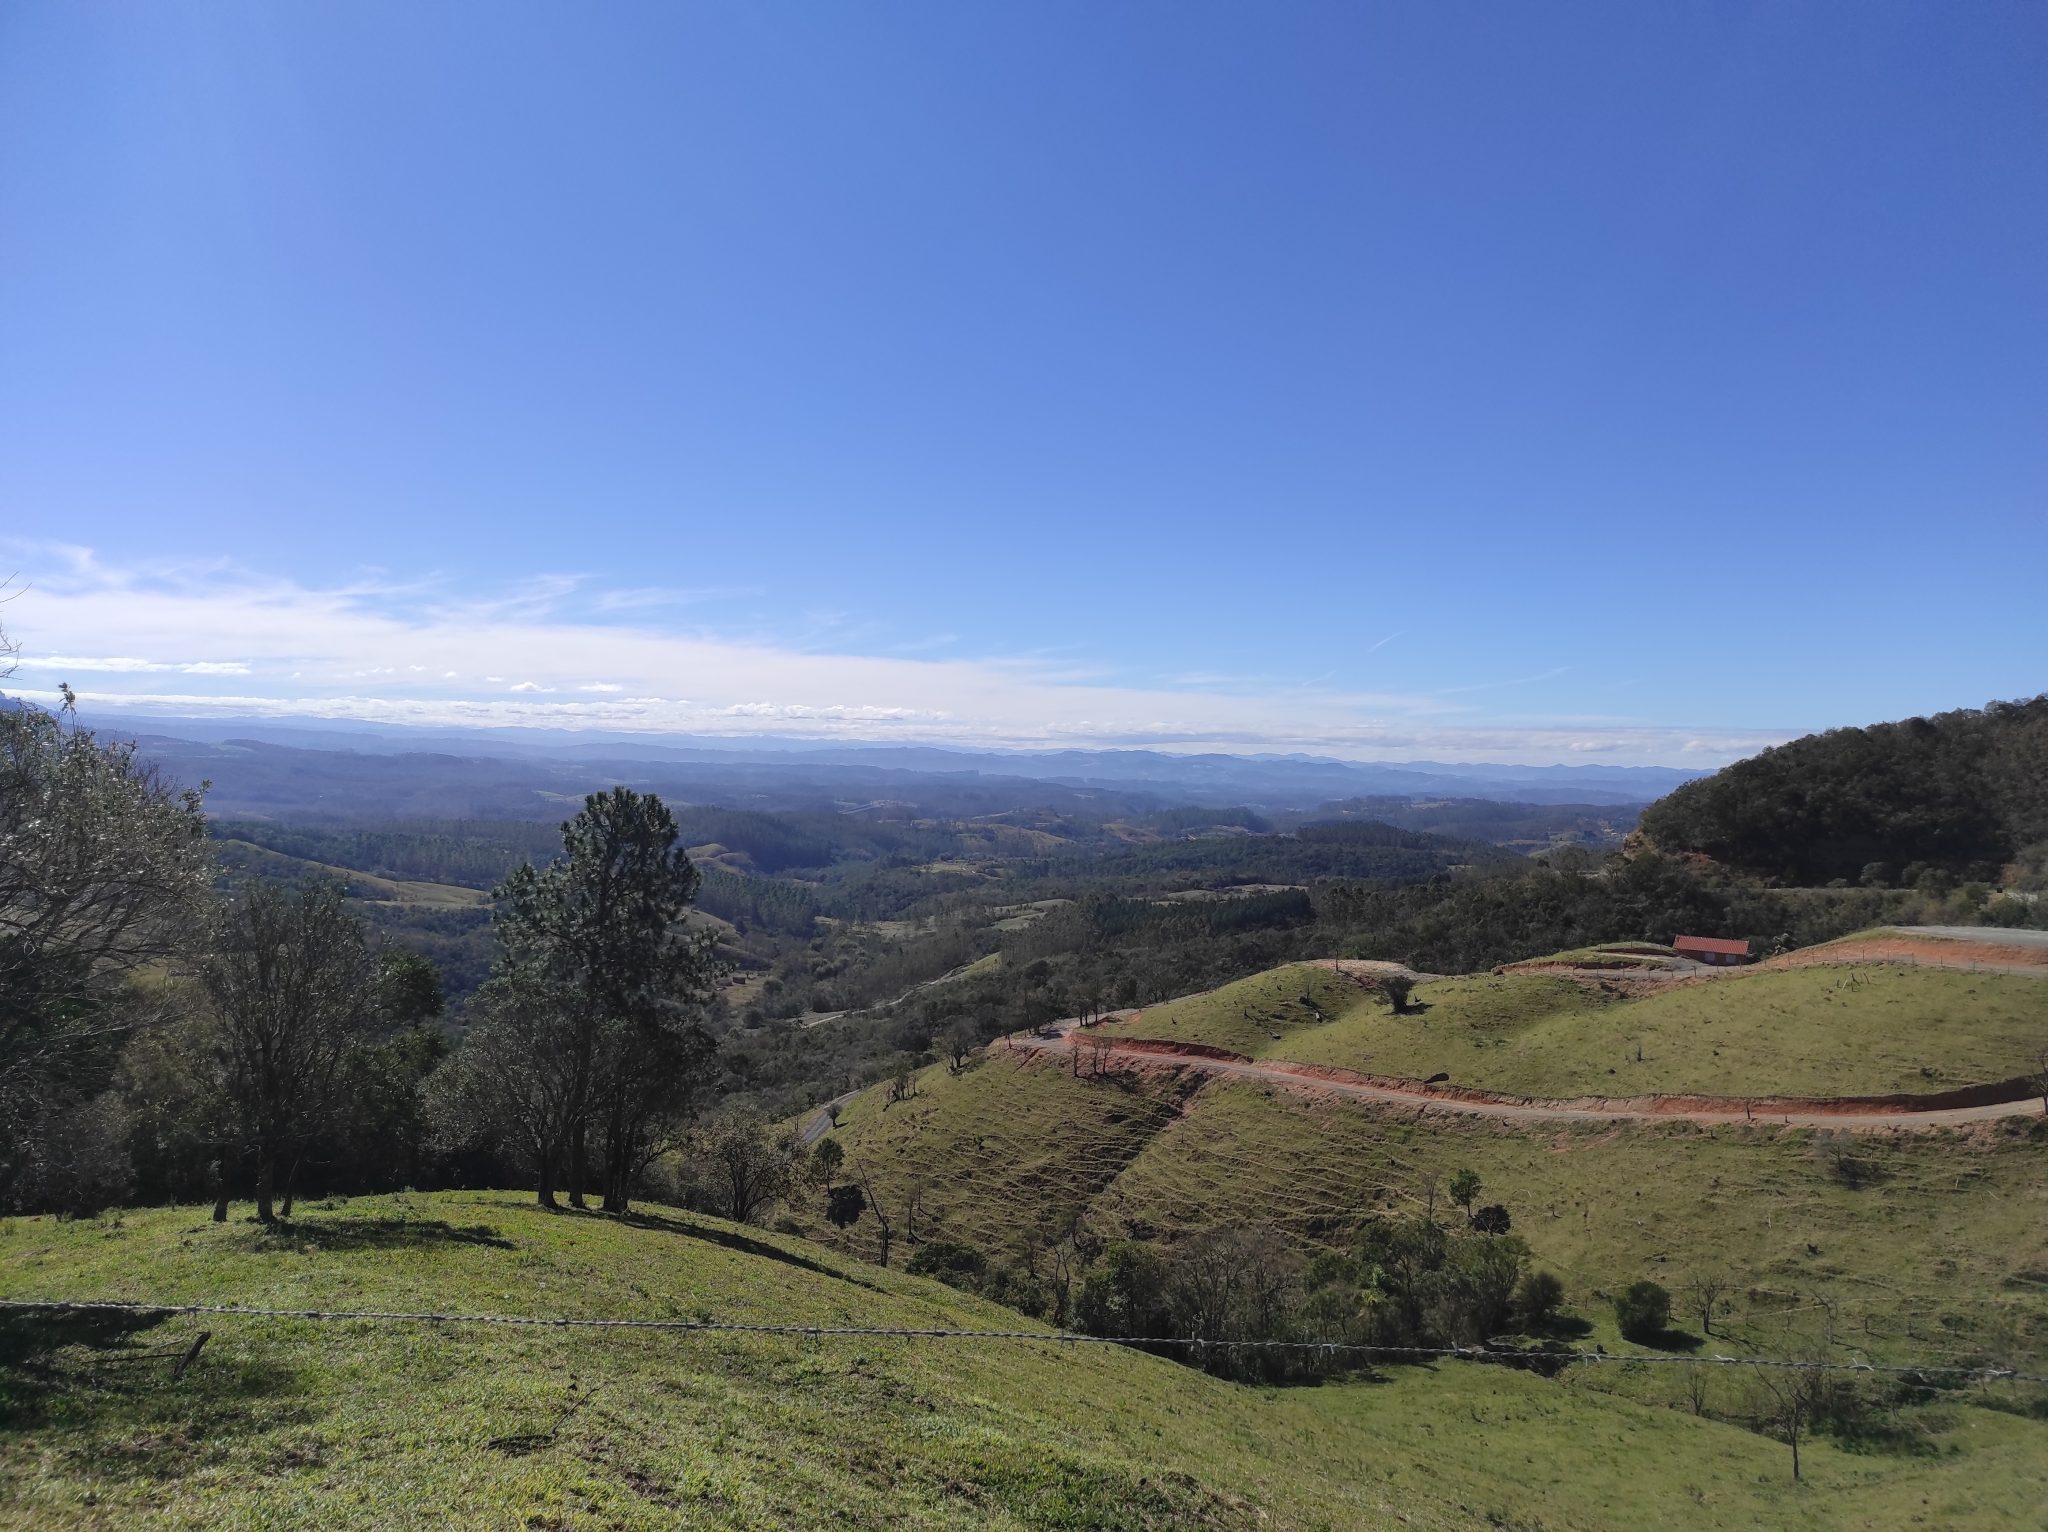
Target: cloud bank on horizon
point(215, 639)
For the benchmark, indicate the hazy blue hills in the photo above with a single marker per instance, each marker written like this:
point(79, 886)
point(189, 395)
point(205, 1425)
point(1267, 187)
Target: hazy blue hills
point(259, 767)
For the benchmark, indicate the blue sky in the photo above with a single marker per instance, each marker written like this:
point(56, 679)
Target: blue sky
point(1494, 382)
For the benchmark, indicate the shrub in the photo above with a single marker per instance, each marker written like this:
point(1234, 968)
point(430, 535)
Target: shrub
point(844, 1205)
point(1643, 1312)
point(1125, 1293)
point(1015, 1289)
point(953, 1263)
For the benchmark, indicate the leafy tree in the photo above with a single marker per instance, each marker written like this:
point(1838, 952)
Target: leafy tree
point(389, 1131)
point(511, 1084)
point(826, 1160)
point(1464, 1190)
point(104, 868)
point(844, 1205)
point(1492, 1219)
point(749, 1167)
point(290, 988)
point(179, 1123)
point(1397, 988)
point(81, 1165)
point(599, 935)
point(1124, 1295)
point(408, 988)
point(1643, 1312)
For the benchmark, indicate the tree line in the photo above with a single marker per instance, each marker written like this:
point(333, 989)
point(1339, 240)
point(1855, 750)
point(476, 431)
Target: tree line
point(162, 1038)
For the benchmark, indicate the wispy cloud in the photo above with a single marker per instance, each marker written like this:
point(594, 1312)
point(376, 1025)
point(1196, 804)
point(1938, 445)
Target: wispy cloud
point(647, 598)
point(125, 665)
point(245, 643)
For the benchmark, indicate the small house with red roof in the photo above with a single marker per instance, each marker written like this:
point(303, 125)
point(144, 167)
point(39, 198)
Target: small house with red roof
point(1719, 951)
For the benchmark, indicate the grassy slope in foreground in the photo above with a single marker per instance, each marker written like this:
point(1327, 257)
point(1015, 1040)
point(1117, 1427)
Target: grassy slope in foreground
point(1819, 1031)
point(361, 1425)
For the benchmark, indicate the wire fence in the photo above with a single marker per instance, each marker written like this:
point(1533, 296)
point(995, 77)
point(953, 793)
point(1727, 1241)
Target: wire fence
point(1195, 1344)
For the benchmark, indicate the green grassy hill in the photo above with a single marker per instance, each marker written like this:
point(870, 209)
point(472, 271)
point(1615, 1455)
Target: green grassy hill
point(1254, 1015)
point(1925, 1243)
point(360, 1425)
point(1845, 1030)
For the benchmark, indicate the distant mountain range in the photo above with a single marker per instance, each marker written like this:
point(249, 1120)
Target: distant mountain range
point(263, 767)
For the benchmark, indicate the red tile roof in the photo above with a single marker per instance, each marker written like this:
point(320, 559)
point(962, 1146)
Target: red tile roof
point(1724, 944)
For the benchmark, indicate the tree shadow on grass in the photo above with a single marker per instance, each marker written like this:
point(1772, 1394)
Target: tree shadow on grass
point(340, 1235)
point(113, 1398)
point(1669, 1340)
point(35, 1342)
point(729, 1239)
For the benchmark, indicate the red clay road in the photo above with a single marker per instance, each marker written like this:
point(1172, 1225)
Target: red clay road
point(1931, 946)
point(1762, 1111)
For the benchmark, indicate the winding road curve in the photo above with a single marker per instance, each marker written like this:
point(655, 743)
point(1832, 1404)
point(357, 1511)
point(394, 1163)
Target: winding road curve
point(1759, 1111)
point(1863, 1116)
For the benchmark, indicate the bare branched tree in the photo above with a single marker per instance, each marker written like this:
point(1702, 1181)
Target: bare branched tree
point(1788, 1399)
point(1706, 1289)
point(960, 1045)
point(1694, 1389)
point(885, 1230)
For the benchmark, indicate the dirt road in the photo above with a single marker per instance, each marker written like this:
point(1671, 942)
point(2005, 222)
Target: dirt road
point(1762, 1111)
point(816, 1126)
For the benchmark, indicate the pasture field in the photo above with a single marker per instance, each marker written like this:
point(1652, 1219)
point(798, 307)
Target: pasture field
point(360, 1424)
point(1915, 1245)
point(1254, 1015)
point(1852, 1029)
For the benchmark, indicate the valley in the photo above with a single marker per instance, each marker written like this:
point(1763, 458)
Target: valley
point(1227, 1166)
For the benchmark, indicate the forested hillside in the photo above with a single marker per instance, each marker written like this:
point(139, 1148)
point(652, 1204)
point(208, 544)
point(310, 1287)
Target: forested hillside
point(1961, 794)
